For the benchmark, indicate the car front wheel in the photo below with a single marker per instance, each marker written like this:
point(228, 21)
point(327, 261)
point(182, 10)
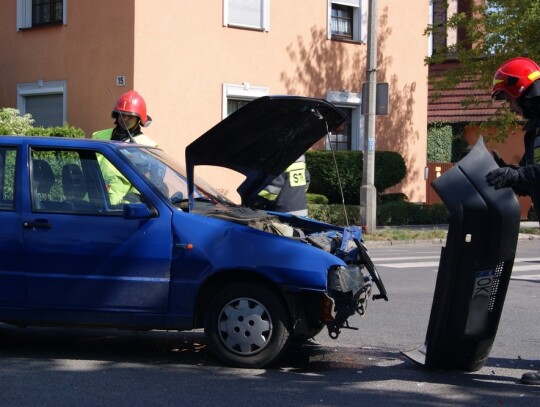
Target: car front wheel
point(247, 325)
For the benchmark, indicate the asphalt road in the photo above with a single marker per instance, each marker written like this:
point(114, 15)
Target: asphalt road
point(71, 367)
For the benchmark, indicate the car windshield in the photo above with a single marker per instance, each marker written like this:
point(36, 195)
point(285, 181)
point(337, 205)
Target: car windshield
point(169, 177)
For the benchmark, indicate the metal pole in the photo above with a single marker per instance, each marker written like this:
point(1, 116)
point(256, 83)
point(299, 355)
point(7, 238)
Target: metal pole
point(368, 193)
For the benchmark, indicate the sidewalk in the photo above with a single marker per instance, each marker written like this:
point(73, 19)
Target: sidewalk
point(441, 242)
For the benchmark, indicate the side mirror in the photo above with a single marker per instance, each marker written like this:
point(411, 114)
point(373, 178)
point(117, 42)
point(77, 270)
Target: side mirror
point(138, 211)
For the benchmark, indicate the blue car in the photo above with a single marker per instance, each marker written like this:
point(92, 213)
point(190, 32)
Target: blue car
point(173, 253)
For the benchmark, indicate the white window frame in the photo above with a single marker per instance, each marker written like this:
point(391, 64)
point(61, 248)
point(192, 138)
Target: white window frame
point(24, 14)
point(253, 14)
point(430, 36)
point(350, 100)
point(360, 17)
point(42, 88)
point(244, 91)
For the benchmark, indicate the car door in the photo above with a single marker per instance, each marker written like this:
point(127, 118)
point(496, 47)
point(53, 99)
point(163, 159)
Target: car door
point(12, 278)
point(90, 256)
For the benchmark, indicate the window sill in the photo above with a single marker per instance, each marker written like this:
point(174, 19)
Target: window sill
point(39, 26)
point(344, 39)
point(246, 27)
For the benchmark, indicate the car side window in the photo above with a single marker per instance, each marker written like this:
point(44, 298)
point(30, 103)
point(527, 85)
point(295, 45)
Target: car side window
point(75, 181)
point(8, 158)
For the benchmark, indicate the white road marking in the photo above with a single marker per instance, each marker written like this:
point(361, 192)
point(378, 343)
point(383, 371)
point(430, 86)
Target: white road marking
point(409, 265)
point(376, 259)
point(526, 259)
point(533, 277)
point(526, 267)
point(519, 264)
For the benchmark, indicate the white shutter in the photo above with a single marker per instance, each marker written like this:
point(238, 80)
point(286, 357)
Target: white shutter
point(46, 110)
point(24, 14)
point(246, 13)
point(350, 3)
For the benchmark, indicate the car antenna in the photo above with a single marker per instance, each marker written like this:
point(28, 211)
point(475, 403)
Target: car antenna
point(320, 116)
point(131, 139)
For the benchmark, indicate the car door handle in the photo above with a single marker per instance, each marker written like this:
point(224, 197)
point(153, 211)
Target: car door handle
point(37, 224)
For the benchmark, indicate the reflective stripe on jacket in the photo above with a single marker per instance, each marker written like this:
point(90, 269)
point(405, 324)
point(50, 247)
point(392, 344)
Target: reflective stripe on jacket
point(287, 192)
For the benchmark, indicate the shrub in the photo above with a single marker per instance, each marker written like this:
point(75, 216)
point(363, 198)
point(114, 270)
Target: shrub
point(316, 199)
point(11, 122)
point(390, 169)
point(398, 196)
point(64, 131)
point(393, 213)
point(334, 214)
point(406, 213)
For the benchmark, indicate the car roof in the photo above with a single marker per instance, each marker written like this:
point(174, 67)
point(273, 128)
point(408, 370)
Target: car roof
point(51, 141)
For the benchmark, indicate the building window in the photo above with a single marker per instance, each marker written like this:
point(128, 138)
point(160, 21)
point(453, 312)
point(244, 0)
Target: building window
point(236, 96)
point(46, 12)
point(234, 104)
point(342, 21)
point(347, 20)
point(45, 101)
point(348, 136)
point(33, 13)
point(341, 138)
point(254, 14)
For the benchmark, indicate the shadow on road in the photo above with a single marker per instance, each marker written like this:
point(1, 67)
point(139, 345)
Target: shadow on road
point(310, 374)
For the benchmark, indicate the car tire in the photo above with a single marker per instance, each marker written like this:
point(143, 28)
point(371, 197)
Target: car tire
point(247, 325)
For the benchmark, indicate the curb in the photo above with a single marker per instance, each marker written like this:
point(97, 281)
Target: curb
point(379, 243)
point(438, 242)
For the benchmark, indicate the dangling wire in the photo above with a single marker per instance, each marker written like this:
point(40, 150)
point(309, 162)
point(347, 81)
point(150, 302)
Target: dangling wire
point(320, 116)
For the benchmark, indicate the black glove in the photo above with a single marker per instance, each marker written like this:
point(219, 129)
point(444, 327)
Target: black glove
point(502, 177)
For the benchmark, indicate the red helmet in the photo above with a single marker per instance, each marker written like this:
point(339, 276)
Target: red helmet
point(133, 104)
point(514, 77)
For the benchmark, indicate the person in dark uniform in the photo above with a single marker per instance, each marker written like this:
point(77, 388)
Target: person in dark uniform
point(287, 192)
point(518, 81)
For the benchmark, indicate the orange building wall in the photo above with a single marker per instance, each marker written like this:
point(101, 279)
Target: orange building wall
point(178, 55)
point(88, 52)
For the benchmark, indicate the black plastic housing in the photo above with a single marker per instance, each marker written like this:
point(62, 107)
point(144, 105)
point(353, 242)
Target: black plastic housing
point(475, 266)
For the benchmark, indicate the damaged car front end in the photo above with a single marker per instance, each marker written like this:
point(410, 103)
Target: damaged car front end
point(260, 141)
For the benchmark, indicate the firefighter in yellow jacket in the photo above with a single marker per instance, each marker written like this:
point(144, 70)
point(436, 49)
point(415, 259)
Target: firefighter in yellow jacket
point(287, 192)
point(129, 116)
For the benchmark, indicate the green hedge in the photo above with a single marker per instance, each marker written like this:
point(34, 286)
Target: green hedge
point(64, 131)
point(388, 214)
point(407, 213)
point(12, 122)
point(390, 169)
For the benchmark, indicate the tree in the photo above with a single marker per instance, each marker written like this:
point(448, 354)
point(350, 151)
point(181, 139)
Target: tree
point(491, 32)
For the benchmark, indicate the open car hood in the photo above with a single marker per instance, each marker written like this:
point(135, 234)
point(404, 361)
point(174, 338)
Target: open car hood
point(263, 138)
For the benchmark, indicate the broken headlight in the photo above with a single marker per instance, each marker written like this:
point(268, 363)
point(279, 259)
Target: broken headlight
point(345, 279)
